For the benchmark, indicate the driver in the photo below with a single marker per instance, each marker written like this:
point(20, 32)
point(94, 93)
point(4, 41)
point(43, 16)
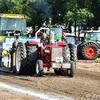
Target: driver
point(44, 41)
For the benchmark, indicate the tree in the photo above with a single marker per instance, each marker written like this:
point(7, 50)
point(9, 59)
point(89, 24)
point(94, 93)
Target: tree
point(79, 16)
point(60, 11)
point(17, 7)
point(57, 11)
point(44, 11)
point(95, 8)
point(77, 13)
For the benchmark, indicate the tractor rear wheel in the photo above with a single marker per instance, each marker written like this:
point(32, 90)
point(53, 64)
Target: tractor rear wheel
point(39, 68)
point(79, 54)
point(73, 56)
point(20, 59)
point(32, 56)
point(66, 54)
point(89, 51)
point(73, 69)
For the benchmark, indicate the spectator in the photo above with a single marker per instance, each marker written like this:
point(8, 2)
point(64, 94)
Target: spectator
point(16, 41)
point(98, 51)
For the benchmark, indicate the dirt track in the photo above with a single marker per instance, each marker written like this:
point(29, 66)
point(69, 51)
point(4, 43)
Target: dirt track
point(10, 95)
point(80, 86)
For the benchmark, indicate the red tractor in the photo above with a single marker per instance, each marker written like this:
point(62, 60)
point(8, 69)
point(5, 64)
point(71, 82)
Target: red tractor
point(60, 56)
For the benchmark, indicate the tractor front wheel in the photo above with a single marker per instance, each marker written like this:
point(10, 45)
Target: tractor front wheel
point(73, 69)
point(39, 68)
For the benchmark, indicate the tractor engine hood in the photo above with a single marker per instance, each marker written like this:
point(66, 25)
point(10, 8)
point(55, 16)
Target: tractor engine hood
point(61, 43)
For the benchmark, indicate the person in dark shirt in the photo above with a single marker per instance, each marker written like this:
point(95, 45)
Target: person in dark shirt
point(16, 41)
point(14, 46)
point(44, 41)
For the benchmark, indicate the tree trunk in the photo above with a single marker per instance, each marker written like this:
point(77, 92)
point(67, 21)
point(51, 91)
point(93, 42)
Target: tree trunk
point(78, 33)
point(75, 31)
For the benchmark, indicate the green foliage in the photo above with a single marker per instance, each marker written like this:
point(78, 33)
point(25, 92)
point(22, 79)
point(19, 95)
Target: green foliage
point(61, 11)
point(78, 11)
point(18, 7)
point(58, 11)
point(79, 16)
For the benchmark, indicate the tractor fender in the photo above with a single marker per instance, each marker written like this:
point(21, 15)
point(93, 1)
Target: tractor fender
point(61, 43)
point(33, 42)
point(90, 42)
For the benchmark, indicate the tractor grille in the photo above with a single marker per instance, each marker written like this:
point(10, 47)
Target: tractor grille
point(56, 52)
